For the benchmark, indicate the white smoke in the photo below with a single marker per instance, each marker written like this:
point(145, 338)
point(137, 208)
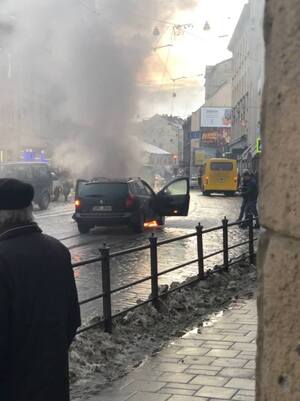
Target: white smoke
point(86, 63)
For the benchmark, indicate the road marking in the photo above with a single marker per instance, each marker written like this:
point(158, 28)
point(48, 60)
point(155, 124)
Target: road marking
point(54, 214)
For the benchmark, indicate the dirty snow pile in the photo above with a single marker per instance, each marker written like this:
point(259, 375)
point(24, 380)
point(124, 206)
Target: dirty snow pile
point(99, 357)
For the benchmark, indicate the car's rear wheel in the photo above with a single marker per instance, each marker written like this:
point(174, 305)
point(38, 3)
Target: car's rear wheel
point(229, 193)
point(206, 193)
point(161, 221)
point(83, 228)
point(138, 223)
point(44, 201)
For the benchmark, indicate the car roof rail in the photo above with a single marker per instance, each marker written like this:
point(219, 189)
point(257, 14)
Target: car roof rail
point(99, 179)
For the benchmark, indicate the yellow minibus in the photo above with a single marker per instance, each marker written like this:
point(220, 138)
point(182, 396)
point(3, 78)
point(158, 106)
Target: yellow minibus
point(219, 176)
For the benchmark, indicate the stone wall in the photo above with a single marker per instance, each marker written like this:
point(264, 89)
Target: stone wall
point(278, 361)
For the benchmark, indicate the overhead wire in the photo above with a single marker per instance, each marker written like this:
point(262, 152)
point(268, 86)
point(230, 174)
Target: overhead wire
point(165, 63)
point(173, 24)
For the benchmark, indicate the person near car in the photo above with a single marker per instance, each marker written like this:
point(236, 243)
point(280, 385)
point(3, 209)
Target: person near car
point(67, 185)
point(57, 192)
point(250, 194)
point(242, 189)
point(38, 303)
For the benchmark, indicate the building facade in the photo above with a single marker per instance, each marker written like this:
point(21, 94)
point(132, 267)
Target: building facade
point(216, 76)
point(164, 132)
point(247, 49)
point(211, 123)
point(24, 108)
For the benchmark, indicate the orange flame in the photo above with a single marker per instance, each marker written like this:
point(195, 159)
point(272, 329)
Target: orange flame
point(151, 224)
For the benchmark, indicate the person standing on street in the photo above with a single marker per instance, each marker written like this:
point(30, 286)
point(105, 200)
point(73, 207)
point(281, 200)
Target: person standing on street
point(66, 189)
point(250, 194)
point(242, 188)
point(39, 311)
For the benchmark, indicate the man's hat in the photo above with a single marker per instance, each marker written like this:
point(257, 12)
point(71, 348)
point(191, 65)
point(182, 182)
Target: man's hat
point(15, 194)
point(246, 173)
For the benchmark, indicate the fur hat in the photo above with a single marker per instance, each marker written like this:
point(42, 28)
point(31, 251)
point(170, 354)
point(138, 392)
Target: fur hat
point(15, 194)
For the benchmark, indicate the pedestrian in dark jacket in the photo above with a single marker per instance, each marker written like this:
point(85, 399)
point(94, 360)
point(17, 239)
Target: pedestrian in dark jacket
point(66, 189)
point(250, 194)
point(242, 188)
point(39, 311)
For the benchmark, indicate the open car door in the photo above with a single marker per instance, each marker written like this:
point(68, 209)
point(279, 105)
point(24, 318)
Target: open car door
point(174, 198)
point(79, 184)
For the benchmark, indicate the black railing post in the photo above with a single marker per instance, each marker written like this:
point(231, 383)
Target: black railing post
point(199, 230)
point(154, 271)
point(225, 244)
point(106, 289)
point(251, 241)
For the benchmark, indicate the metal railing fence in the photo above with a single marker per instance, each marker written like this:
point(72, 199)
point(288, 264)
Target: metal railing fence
point(106, 256)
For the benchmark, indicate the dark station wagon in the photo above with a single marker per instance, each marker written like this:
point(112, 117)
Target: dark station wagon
point(131, 202)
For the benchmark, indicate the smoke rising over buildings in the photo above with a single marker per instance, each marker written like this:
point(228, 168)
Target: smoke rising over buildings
point(85, 62)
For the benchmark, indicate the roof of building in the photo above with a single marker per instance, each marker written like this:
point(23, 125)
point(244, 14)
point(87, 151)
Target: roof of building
point(175, 122)
point(147, 147)
point(215, 66)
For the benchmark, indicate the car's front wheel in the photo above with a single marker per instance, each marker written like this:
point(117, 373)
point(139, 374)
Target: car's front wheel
point(83, 228)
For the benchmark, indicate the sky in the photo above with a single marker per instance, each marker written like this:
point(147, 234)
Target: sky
point(190, 52)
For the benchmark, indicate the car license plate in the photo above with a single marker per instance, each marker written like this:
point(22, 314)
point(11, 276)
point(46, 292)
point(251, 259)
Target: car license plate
point(102, 208)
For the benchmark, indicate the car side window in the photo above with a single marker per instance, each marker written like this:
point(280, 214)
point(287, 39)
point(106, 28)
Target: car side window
point(134, 188)
point(141, 189)
point(147, 189)
point(41, 171)
point(44, 172)
point(177, 188)
point(24, 172)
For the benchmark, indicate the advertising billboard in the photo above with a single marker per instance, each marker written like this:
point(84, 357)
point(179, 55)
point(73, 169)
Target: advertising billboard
point(216, 117)
point(200, 157)
point(216, 137)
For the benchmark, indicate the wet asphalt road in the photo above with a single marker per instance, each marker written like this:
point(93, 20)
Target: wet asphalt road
point(57, 221)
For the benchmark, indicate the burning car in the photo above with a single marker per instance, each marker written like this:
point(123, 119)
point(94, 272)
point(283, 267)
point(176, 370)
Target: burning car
point(131, 202)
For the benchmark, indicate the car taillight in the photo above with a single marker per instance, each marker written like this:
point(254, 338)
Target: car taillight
point(206, 180)
point(77, 203)
point(129, 201)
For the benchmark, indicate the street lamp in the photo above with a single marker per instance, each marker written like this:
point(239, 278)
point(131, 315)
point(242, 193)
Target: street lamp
point(156, 31)
point(174, 94)
point(177, 79)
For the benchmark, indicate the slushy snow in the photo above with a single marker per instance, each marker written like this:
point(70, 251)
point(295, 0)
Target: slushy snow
point(98, 358)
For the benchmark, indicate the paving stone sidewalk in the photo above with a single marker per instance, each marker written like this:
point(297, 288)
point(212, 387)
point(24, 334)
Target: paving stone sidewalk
point(217, 364)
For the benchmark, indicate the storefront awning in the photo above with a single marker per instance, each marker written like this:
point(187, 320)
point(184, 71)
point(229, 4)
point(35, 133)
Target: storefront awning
point(238, 144)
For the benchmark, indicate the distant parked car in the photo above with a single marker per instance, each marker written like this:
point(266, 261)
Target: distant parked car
point(194, 182)
point(129, 202)
point(38, 174)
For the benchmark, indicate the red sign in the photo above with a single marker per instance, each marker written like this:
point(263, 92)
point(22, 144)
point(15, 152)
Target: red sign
point(217, 137)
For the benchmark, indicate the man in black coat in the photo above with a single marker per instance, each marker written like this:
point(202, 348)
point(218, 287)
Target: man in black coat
point(250, 195)
point(39, 311)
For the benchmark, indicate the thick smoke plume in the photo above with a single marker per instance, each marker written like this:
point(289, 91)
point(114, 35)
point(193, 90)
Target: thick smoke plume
point(85, 62)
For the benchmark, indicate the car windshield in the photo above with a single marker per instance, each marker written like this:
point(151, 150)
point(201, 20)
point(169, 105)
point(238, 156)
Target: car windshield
point(109, 190)
point(221, 166)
